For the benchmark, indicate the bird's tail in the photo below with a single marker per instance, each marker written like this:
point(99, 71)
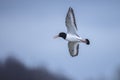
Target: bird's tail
point(87, 42)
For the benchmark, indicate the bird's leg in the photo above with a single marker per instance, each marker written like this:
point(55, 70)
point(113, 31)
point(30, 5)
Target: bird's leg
point(83, 40)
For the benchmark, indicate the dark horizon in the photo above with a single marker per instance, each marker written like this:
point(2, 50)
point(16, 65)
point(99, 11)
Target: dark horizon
point(13, 69)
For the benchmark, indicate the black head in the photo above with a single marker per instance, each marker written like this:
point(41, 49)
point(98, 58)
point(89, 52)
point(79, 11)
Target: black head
point(63, 35)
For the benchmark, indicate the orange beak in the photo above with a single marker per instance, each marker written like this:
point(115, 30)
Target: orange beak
point(55, 36)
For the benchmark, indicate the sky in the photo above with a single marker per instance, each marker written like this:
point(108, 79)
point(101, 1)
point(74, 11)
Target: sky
point(27, 28)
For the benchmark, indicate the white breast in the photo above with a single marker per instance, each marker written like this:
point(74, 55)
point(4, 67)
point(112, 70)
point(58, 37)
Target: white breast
point(71, 37)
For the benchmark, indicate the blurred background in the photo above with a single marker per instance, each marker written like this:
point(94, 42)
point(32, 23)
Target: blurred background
point(27, 46)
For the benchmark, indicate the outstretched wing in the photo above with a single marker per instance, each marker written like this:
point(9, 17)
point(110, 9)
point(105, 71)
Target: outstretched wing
point(70, 22)
point(73, 48)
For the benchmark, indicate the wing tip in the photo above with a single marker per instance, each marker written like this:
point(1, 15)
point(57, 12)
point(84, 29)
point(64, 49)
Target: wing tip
point(76, 52)
point(70, 8)
point(72, 52)
point(74, 55)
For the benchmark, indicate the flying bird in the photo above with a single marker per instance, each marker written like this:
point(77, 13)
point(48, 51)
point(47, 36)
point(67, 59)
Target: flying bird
point(71, 36)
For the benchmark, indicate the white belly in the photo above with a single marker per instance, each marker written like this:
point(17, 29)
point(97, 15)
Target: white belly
point(71, 37)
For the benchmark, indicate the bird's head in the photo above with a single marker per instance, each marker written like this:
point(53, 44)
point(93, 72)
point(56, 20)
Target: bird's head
point(61, 34)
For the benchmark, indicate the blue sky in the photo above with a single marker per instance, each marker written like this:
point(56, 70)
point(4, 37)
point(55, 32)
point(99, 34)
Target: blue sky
point(27, 28)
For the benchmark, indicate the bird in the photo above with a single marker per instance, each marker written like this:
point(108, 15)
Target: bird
point(71, 36)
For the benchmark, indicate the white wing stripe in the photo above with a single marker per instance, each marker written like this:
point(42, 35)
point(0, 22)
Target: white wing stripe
point(74, 21)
